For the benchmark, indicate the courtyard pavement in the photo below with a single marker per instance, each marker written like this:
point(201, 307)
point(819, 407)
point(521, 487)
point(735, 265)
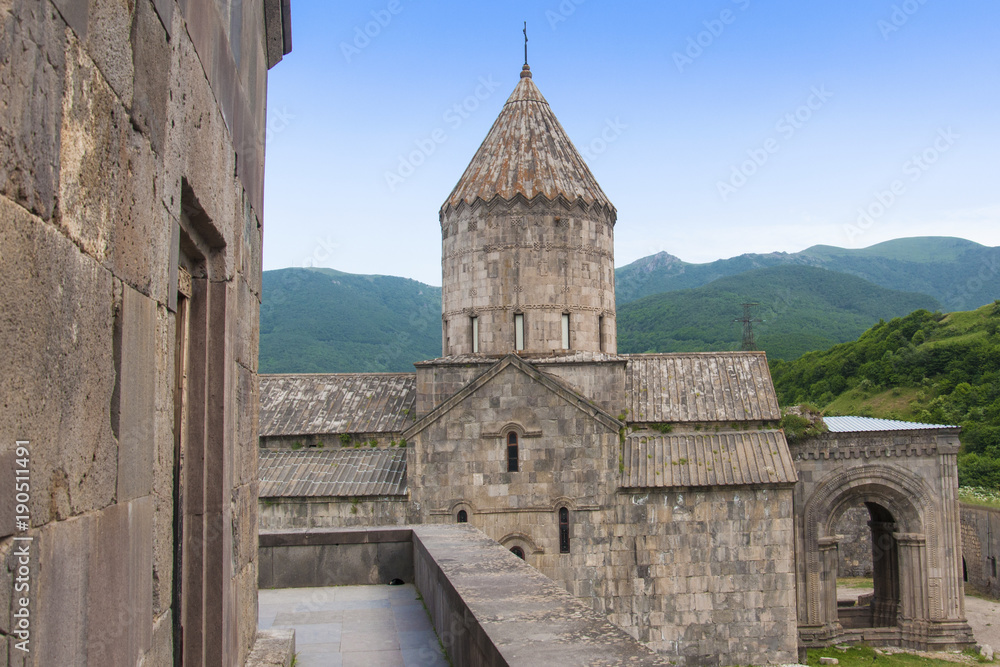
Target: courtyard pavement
point(343, 626)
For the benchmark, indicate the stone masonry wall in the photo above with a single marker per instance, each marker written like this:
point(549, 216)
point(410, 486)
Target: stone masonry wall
point(981, 548)
point(120, 127)
point(540, 260)
point(855, 550)
point(706, 576)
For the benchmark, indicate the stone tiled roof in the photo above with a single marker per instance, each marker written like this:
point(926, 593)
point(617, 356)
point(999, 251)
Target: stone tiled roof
point(527, 153)
point(336, 403)
point(703, 386)
point(855, 424)
point(337, 472)
point(707, 459)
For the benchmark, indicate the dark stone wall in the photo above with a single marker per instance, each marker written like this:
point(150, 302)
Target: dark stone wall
point(131, 145)
point(981, 548)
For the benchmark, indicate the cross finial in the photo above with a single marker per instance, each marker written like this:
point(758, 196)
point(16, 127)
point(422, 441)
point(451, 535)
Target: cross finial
point(525, 43)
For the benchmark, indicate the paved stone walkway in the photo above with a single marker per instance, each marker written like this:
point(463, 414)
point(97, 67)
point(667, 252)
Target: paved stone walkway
point(343, 626)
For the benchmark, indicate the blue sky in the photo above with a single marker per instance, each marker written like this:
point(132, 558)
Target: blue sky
point(716, 128)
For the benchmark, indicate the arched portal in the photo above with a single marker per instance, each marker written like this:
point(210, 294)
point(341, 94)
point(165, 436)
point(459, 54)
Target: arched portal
point(913, 580)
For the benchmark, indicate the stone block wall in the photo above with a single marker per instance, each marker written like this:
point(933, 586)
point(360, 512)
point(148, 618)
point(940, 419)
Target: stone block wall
point(855, 550)
point(540, 260)
point(126, 127)
point(602, 382)
point(706, 576)
point(981, 548)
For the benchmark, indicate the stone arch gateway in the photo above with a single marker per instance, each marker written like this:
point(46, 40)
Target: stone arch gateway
point(906, 479)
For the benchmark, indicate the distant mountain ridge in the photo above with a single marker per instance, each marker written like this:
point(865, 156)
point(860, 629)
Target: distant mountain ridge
point(321, 320)
point(801, 308)
point(960, 274)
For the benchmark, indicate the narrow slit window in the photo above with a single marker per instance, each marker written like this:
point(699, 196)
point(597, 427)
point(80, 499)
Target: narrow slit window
point(563, 530)
point(512, 452)
point(600, 332)
point(463, 517)
point(519, 331)
point(565, 331)
point(475, 334)
point(517, 551)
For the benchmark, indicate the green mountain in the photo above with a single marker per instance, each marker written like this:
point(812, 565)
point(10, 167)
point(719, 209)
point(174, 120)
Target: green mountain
point(958, 273)
point(928, 367)
point(802, 308)
point(321, 320)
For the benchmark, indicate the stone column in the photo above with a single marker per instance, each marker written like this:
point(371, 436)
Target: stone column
point(829, 559)
point(914, 611)
point(885, 571)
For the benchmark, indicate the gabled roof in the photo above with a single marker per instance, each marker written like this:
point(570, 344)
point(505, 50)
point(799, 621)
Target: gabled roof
point(336, 403)
point(336, 472)
point(698, 387)
point(527, 153)
point(513, 361)
point(855, 424)
point(734, 458)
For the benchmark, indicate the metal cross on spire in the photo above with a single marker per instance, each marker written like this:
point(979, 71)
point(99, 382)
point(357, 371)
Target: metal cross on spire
point(525, 43)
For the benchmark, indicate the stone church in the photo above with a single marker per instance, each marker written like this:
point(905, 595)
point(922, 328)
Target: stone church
point(658, 487)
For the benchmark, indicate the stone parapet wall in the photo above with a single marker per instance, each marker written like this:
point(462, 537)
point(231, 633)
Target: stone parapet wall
point(335, 557)
point(307, 512)
point(487, 606)
point(981, 548)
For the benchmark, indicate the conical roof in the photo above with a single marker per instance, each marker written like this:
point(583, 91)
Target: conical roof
point(527, 153)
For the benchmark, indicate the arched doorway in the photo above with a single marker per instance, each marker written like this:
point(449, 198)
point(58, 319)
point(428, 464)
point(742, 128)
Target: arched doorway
point(879, 608)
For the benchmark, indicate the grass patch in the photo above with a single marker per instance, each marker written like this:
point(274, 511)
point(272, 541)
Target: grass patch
point(854, 582)
point(858, 656)
point(899, 402)
point(972, 495)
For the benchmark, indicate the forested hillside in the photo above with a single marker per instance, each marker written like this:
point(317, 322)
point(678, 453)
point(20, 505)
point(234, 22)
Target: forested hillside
point(321, 320)
point(929, 367)
point(802, 308)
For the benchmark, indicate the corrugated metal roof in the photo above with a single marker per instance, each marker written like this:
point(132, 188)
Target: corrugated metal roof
point(707, 459)
point(853, 424)
point(336, 403)
point(704, 386)
point(338, 472)
point(528, 153)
